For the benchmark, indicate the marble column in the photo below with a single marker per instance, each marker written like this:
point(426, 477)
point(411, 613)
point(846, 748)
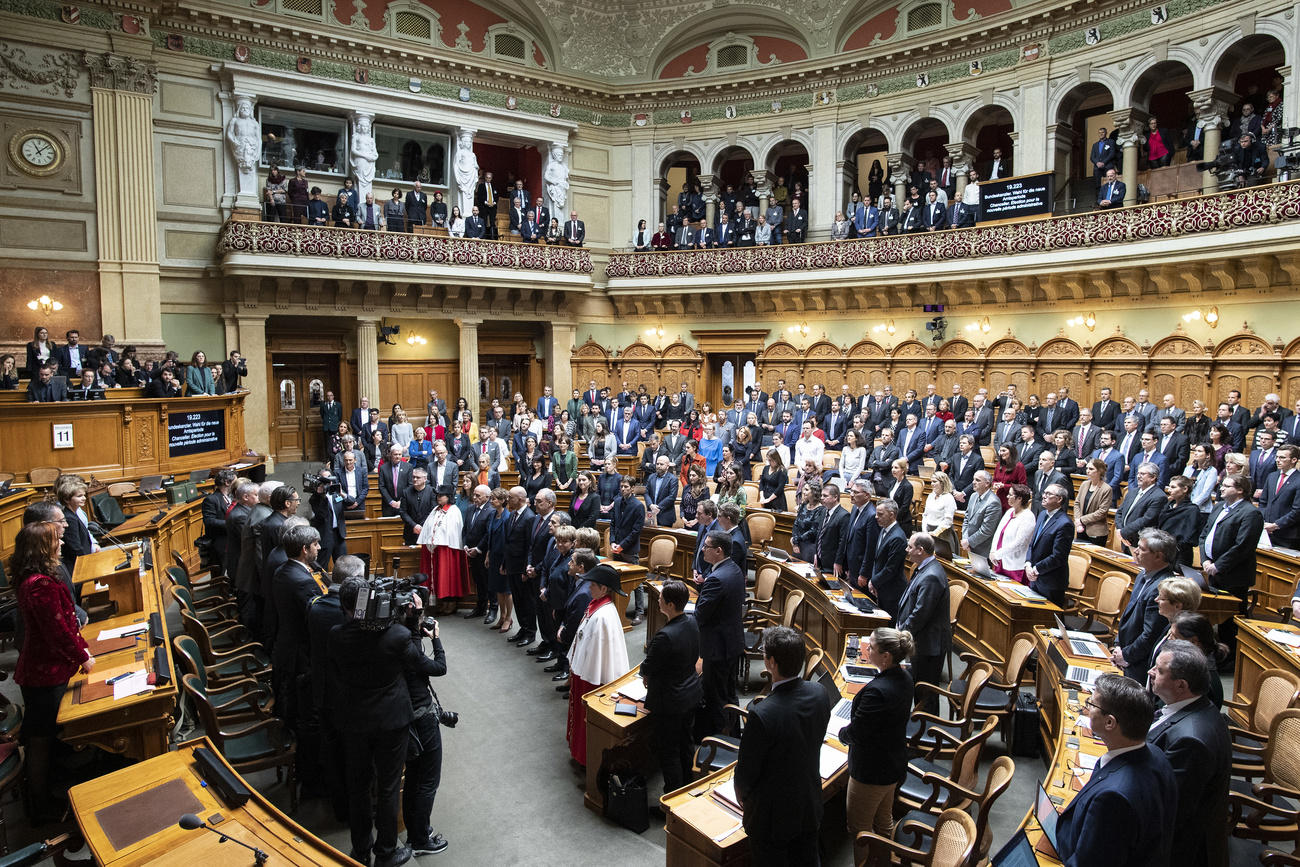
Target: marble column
point(469, 362)
point(122, 90)
point(763, 186)
point(1212, 105)
point(963, 160)
point(710, 200)
point(368, 360)
point(1061, 140)
point(1129, 122)
point(559, 358)
point(250, 335)
point(900, 175)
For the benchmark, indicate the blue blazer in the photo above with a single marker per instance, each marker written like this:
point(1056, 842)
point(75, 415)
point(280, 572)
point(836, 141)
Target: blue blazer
point(1050, 554)
point(1139, 459)
point(662, 492)
point(915, 449)
point(1124, 816)
point(1141, 625)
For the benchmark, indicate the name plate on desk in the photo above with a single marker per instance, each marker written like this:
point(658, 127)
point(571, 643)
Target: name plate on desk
point(189, 433)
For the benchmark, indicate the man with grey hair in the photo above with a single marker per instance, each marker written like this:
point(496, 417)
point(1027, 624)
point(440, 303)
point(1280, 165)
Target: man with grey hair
point(1194, 737)
point(1142, 504)
point(292, 587)
point(887, 582)
point(983, 512)
point(860, 537)
point(1048, 564)
point(477, 523)
point(923, 611)
point(248, 574)
point(246, 495)
point(394, 476)
point(1141, 625)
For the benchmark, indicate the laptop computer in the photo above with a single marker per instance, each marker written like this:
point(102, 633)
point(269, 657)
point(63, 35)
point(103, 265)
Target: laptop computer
point(778, 554)
point(1090, 647)
point(197, 476)
point(149, 484)
point(1046, 813)
point(1018, 852)
point(1076, 673)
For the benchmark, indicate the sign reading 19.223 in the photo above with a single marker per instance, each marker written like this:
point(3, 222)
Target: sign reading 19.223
point(189, 433)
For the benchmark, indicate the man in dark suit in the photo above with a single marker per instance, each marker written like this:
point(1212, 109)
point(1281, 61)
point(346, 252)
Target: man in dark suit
point(1279, 500)
point(575, 231)
point(718, 610)
point(1048, 564)
point(245, 498)
point(890, 218)
point(1228, 545)
point(1193, 735)
point(673, 689)
point(360, 416)
point(1086, 435)
point(935, 218)
point(1046, 475)
point(1149, 454)
point(661, 493)
point(541, 556)
point(923, 611)
point(1105, 411)
point(293, 586)
point(1103, 157)
point(415, 503)
point(1141, 506)
point(887, 582)
point(43, 388)
point(1173, 447)
point(1263, 460)
point(831, 530)
point(514, 561)
point(858, 539)
point(911, 444)
point(475, 225)
point(394, 477)
point(485, 199)
point(477, 523)
point(331, 416)
point(625, 522)
point(1124, 815)
point(417, 207)
point(215, 507)
point(1141, 626)
point(962, 468)
point(796, 223)
point(778, 777)
point(1111, 192)
point(1114, 460)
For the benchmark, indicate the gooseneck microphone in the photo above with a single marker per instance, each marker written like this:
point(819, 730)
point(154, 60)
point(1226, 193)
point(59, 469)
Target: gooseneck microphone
point(191, 822)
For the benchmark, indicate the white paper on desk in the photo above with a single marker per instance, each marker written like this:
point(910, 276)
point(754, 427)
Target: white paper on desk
point(136, 681)
point(726, 790)
point(690, 608)
point(634, 689)
point(1088, 762)
point(845, 606)
point(832, 760)
point(1290, 639)
point(242, 465)
point(807, 570)
point(123, 631)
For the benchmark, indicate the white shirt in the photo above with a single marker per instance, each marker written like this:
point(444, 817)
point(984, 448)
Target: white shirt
point(971, 195)
point(1104, 760)
point(809, 448)
point(350, 483)
point(939, 512)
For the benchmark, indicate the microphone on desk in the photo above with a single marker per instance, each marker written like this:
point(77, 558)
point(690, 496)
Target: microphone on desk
point(129, 551)
point(191, 822)
point(162, 508)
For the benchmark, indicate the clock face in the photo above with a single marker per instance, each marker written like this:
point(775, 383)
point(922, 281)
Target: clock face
point(36, 153)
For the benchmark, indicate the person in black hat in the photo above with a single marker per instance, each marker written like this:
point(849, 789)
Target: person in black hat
point(598, 654)
point(442, 556)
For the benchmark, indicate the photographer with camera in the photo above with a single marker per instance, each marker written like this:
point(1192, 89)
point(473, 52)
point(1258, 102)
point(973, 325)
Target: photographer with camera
point(424, 751)
point(1249, 159)
point(327, 507)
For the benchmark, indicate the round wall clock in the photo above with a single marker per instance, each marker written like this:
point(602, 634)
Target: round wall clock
point(37, 153)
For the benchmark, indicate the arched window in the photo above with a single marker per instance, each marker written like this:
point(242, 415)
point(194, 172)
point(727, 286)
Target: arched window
point(414, 22)
point(315, 9)
point(510, 42)
point(925, 15)
point(730, 53)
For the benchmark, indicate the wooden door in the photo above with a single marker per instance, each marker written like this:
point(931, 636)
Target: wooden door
point(729, 373)
point(300, 384)
point(500, 377)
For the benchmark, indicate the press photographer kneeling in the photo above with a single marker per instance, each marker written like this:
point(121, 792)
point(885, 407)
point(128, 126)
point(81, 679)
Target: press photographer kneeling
point(382, 710)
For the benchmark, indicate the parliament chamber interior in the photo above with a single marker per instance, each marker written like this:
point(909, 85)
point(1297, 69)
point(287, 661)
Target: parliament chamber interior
point(853, 432)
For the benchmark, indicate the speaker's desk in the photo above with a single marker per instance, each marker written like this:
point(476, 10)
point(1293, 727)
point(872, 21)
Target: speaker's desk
point(118, 835)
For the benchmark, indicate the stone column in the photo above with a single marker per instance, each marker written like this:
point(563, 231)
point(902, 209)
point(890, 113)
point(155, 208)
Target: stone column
point(1061, 140)
point(963, 160)
point(122, 90)
point(763, 186)
point(662, 198)
point(1129, 122)
point(250, 333)
point(710, 199)
point(469, 362)
point(1212, 105)
point(368, 360)
point(559, 358)
point(900, 169)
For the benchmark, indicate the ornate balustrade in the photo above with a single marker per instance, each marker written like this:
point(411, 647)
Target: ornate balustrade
point(287, 239)
point(1253, 206)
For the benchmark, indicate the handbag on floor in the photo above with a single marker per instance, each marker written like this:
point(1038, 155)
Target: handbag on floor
point(626, 803)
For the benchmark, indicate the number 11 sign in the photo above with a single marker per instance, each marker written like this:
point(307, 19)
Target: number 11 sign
point(62, 436)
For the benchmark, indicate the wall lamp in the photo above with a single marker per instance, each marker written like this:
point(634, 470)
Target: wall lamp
point(45, 304)
point(1210, 317)
point(1087, 320)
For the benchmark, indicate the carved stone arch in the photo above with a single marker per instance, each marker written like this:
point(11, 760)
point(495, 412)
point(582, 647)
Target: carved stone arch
point(922, 127)
point(975, 114)
point(779, 349)
point(1008, 347)
point(1177, 346)
point(958, 348)
point(639, 350)
point(715, 24)
point(866, 349)
point(672, 148)
point(823, 350)
point(1118, 346)
point(911, 348)
point(1066, 90)
point(1250, 346)
point(1139, 77)
point(1060, 347)
point(801, 136)
point(729, 149)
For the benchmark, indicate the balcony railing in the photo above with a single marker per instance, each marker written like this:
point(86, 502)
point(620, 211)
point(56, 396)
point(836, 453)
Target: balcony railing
point(1252, 206)
point(288, 239)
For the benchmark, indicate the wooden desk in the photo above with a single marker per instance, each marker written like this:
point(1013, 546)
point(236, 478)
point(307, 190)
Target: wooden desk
point(630, 576)
point(177, 531)
point(125, 587)
point(819, 618)
point(1276, 571)
point(611, 737)
point(1256, 653)
point(992, 615)
point(1059, 721)
point(370, 536)
point(137, 726)
point(258, 823)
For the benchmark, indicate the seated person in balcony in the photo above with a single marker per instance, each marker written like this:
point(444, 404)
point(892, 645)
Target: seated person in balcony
point(165, 385)
point(128, 375)
point(1111, 192)
point(796, 223)
point(318, 213)
point(475, 227)
point(529, 231)
point(1250, 158)
point(43, 388)
point(575, 231)
point(438, 211)
point(345, 216)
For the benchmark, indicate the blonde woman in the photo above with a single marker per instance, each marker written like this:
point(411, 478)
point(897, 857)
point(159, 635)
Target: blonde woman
point(940, 508)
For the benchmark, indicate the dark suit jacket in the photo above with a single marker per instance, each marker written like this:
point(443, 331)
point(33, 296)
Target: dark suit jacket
point(876, 733)
point(417, 206)
point(923, 610)
point(588, 513)
point(518, 539)
point(1086, 443)
point(887, 569)
point(1124, 816)
point(371, 694)
point(235, 522)
point(416, 506)
point(964, 479)
point(1175, 454)
point(778, 778)
point(1262, 467)
point(1282, 508)
point(1139, 458)
point(934, 216)
point(76, 540)
point(1140, 625)
point(214, 523)
point(1233, 547)
point(719, 609)
point(915, 449)
point(672, 686)
point(1105, 418)
point(1195, 741)
point(387, 491)
point(292, 587)
point(662, 492)
point(1115, 194)
point(1131, 519)
point(828, 538)
point(858, 540)
point(1050, 554)
point(625, 522)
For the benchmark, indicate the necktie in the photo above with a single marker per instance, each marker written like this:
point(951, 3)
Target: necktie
point(1140, 494)
point(1038, 531)
point(1281, 480)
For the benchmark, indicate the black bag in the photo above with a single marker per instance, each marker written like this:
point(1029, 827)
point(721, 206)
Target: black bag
point(1026, 739)
point(625, 802)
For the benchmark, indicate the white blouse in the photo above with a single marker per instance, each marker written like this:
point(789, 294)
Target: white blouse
point(457, 228)
point(599, 651)
point(939, 512)
point(1011, 547)
point(852, 463)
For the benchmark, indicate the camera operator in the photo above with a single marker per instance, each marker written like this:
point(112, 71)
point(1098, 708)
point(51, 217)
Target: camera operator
point(1250, 158)
point(327, 507)
point(424, 752)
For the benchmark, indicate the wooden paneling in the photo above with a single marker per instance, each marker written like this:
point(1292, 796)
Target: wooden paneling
point(409, 382)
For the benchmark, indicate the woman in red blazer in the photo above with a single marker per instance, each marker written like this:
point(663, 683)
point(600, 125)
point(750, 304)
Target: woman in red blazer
point(52, 651)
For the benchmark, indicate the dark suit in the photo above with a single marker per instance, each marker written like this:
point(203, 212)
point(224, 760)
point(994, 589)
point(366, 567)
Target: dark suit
point(796, 228)
point(76, 540)
point(1282, 507)
point(1233, 547)
point(1105, 417)
point(390, 490)
point(1049, 552)
point(327, 518)
point(477, 522)
point(858, 540)
point(1140, 457)
point(214, 525)
point(417, 208)
point(514, 560)
point(887, 568)
point(778, 778)
point(661, 491)
point(923, 611)
point(673, 691)
point(1262, 465)
point(1112, 192)
point(1195, 741)
point(1139, 510)
point(575, 232)
point(236, 519)
point(1141, 625)
point(718, 610)
point(416, 507)
point(1124, 816)
point(292, 588)
point(913, 450)
point(627, 517)
point(1175, 453)
point(935, 217)
point(877, 728)
point(828, 538)
point(487, 211)
point(963, 476)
